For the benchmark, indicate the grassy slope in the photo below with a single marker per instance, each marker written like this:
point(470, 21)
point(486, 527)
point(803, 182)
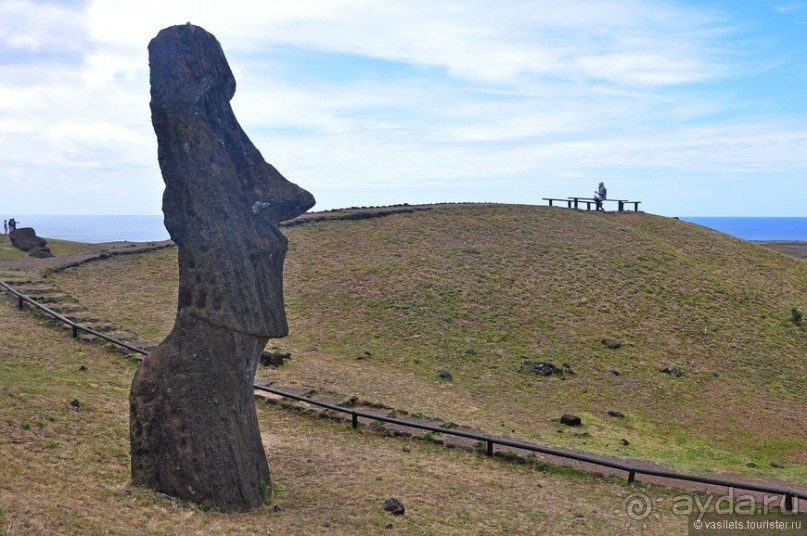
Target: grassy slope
point(476, 289)
point(66, 471)
point(59, 248)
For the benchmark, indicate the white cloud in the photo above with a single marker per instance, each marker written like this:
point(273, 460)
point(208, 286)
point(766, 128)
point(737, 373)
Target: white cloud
point(32, 27)
point(790, 7)
point(507, 93)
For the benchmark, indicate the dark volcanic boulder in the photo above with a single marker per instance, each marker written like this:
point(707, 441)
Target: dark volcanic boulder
point(544, 368)
point(571, 420)
point(25, 239)
point(193, 424)
point(394, 506)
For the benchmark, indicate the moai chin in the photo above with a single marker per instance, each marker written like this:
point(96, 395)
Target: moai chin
point(193, 425)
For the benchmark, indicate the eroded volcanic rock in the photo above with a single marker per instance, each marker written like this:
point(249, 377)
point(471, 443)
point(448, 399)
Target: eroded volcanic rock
point(25, 239)
point(193, 424)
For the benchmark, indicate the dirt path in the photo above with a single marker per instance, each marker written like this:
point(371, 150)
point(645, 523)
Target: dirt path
point(449, 441)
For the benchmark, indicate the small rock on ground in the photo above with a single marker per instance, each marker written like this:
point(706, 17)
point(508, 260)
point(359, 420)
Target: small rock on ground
point(571, 420)
point(394, 506)
point(444, 374)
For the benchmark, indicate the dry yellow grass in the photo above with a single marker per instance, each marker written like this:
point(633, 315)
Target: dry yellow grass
point(476, 289)
point(66, 471)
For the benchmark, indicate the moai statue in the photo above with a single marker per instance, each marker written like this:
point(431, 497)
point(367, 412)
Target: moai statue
point(193, 424)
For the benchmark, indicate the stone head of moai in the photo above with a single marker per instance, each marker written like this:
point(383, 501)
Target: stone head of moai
point(222, 200)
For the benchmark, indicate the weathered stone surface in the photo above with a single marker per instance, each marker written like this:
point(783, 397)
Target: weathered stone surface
point(544, 368)
point(394, 506)
point(193, 424)
point(570, 420)
point(673, 371)
point(25, 239)
point(274, 358)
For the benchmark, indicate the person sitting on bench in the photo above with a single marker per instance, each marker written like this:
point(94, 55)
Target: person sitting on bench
point(600, 195)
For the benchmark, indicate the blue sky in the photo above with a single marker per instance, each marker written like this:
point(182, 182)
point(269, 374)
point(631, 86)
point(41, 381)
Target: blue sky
point(695, 108)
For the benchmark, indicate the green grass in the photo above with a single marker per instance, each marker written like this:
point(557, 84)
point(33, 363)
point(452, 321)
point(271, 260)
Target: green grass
point(477, 289)
point(71, 474)
point(59, 248)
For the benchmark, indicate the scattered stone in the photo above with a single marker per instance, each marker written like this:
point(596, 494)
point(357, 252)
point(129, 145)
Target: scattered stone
point(40, 253)
point(394, 506)
point(625, 442)
point(613, 344)
point(444, 374)
point(544, 368)
point(777, 466)
point(75, 403)
point(277, 508)
point(407, 449)
point(751, 465)
point(673, 371)
point(274, 359)
point(365, 355)
point(470, 352)
point(389, 526)
point(570, 420)
point(617, 414)
point(350, 402)
point(716, 374)
point(82, 368)
point(615, 372)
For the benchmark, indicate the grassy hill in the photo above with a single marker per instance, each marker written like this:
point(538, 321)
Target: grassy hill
point(64, 467)
point(376, 306)
point(59, 248)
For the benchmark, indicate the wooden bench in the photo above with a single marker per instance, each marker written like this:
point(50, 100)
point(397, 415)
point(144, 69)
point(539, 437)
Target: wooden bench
point(623, 202)
point(620, 203)
point(574, 202)
point(550, 199)
point(587, 200)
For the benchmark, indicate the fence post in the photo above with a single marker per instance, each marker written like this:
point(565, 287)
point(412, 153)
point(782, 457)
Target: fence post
point(490, 447)
point(789, 503)
point(631, 477)
point(355, 419)
point(20, 303)
point(75, 332)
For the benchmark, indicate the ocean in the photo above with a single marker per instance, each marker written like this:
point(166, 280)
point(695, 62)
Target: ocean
point(96, 229)
point(757, 228)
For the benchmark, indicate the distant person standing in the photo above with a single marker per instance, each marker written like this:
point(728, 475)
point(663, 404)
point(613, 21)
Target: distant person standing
point(600, 195)
point(12, 225)
point(5, 226)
